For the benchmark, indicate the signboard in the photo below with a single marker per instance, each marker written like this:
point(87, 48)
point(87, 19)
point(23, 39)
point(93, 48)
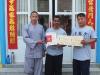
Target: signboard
point(12, 24)
point(70, 40)
point(53, 39)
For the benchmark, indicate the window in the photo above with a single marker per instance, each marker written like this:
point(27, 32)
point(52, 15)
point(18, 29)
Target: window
point(39, 5)
point(66, 23)
point(66, 9)
point(21, 20)
point(43, 5)
point(25, 7)
point(22, 5)
point(44, 20)
point(80, 5)
point(64, 5)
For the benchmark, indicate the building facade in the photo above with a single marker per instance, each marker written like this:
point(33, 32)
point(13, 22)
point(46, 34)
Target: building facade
point(66, 9)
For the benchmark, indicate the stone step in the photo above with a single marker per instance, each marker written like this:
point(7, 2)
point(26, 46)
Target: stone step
point(21, 65)
point(65, 71)
point(22, 70)
point(18, 69)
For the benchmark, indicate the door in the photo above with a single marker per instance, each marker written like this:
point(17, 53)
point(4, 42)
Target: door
point(66, 9)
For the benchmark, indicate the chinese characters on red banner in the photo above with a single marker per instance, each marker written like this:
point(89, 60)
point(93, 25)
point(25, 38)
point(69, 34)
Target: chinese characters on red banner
point(12, 24)
point(90, 12)
point(90, 15)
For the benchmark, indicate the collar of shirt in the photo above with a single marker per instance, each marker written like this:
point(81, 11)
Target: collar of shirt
point(33, 25)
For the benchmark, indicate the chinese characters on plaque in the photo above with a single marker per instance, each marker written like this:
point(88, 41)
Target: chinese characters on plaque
point(53, 39)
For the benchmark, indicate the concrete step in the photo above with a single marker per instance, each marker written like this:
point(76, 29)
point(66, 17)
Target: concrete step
point(18, 69)
point(69, 65)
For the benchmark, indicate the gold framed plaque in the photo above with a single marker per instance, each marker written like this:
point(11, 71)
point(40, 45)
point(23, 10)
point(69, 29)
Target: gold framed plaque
point(53, 39)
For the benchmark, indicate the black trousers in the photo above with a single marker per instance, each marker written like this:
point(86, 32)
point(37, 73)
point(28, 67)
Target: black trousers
point(53, 65)
point(81, 67)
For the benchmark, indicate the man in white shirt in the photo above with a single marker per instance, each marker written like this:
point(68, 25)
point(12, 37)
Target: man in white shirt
point(54, 55)
point(81, 55)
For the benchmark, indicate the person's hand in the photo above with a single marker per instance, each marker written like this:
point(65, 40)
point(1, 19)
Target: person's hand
point(83, 42)
point(48, 38)
point(40, 42)
point(58, 45)
point(45, 41)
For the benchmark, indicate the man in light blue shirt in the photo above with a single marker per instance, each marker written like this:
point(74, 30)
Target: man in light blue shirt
point(54, 56)
point(81, 55)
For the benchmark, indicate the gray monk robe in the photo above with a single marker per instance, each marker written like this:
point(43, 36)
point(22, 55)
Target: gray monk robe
point(34, 52)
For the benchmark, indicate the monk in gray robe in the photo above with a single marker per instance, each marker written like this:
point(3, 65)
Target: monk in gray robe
point(33, 36)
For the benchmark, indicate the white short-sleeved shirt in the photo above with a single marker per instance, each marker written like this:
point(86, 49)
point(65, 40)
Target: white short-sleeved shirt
point(53, 50)
point(83, 53)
